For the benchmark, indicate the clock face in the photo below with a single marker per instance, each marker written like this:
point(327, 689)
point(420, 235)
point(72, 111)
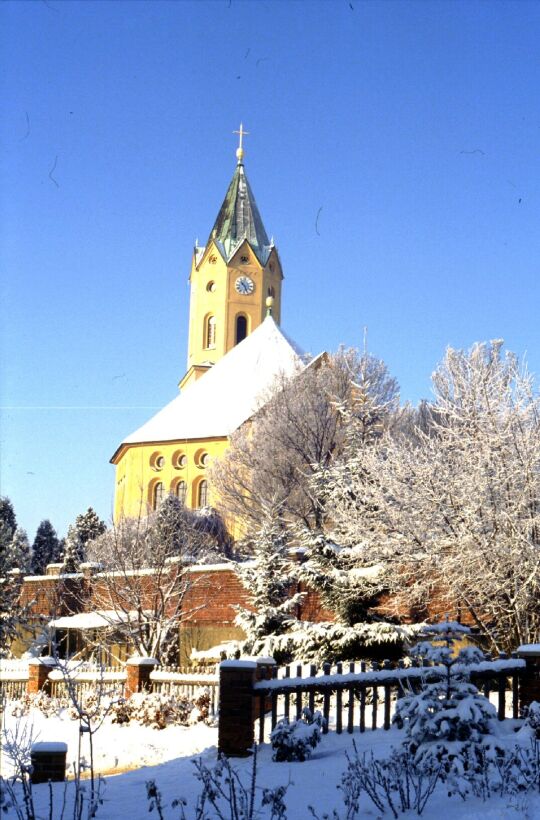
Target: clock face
point(244, 285)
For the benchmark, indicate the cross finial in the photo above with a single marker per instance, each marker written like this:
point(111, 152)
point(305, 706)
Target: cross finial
point(240, 149)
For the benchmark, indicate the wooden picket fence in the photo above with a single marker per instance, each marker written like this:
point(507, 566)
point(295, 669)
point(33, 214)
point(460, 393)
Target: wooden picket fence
point(358, 698)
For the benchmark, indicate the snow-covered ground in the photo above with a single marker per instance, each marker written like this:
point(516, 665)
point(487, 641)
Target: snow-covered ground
point(129, 756)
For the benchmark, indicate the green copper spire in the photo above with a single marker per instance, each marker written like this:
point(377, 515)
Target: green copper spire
point(239, 217)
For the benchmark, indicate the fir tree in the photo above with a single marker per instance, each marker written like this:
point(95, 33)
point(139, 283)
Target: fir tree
point(89, 526)
point(448, 722)
point(20, 551)
point(73, 550)
point(7, 514)
point(6, 537)
point(45, 547)
point(268, 578)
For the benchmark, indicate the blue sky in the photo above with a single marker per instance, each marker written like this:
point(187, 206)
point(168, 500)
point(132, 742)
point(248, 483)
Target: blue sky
point(394, 152)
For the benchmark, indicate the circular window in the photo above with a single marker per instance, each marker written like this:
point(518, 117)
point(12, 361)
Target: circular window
point(179, 460)
point(244, 260)
point(212, 259)
point(157, 461)
point(211, 286)
point(202, 458)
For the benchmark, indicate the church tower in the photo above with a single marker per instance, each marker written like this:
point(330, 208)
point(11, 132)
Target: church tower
point(236, 350)
point(235, 279)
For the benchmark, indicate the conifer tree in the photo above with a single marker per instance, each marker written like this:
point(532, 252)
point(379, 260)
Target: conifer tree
point(7, 514)
point(87, 527)
point(20, 551)
point(268, 578)
point(45, 547)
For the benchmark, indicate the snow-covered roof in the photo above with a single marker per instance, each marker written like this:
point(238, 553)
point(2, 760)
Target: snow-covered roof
point(98, 619)
point(229, 393)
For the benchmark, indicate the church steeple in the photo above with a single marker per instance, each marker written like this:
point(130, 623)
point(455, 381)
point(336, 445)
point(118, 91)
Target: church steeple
point(232, 277)
point(239, 218)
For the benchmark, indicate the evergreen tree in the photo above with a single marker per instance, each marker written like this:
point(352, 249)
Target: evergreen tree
point(6, 537)
point(447, 723)
point(20, 551)
point(268, 578)
point(89, 526)
point(73, 550)
point(45, 547)
point(7, 514)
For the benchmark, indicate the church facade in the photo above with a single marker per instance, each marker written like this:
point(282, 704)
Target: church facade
point(235, 351)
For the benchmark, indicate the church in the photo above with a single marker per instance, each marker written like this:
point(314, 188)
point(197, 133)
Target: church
point(236, 350)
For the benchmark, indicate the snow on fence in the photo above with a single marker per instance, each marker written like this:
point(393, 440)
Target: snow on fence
point(172, 680)
point(84, 678)
point(364, 699)
point(13, 678)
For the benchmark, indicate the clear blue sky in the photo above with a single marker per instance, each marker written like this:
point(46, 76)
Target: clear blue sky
point(394, 152)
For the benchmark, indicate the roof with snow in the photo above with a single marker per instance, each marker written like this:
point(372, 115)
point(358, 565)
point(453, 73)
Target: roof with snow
point(229, 393)
point(239, 219)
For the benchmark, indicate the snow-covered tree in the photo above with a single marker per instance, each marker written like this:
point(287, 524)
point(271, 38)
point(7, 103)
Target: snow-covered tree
point(20, 551)
point(87, 527)
point(45, 549)
point(303, 426)
point(453, 504)
point(448, 722)
point(146, 580)
point(7, 514)
point(347, 582)
point(269, 579)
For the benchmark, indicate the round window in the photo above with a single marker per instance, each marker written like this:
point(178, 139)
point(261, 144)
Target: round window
point(204, 460)
point(212, 259)
point(157, 461)
point(211, 287)
point(179, 460)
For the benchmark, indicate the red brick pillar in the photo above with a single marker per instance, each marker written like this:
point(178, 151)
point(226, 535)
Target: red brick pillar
point(38, 674)
point(236, 733)
point(138, 675)
point(529, 679)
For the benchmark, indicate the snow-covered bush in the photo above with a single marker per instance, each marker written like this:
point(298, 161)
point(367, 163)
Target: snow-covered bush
point(448, 723)
point(159, 711)
point(532, 718)
point(296, 740)
point(330, 642)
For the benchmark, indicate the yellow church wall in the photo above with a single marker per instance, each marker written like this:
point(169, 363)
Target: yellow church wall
point(138, 470)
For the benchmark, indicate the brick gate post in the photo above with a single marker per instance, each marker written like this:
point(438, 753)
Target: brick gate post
point(138, 675)
point(236, 732)
point(38, 674)
point(529, 680)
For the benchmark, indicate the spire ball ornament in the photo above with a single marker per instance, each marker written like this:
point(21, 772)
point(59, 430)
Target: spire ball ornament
point(240, 149)
point(269, 305)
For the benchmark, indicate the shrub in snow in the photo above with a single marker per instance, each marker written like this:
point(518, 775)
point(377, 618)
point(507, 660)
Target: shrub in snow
point(296, 740)
point(159, 711)
point(532, 718)
point(448, 723)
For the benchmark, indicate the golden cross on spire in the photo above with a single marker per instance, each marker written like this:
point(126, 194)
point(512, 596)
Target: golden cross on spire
point(240, 149)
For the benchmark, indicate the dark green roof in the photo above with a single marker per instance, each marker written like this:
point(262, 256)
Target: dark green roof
point(239, 219)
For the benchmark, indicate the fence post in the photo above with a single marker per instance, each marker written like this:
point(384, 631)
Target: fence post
point(529, 679)
point(138, 675)
point(38, 674)
point(236, 731)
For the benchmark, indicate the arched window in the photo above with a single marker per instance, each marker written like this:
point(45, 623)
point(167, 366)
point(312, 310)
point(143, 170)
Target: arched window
point(157, 494)
point(181, 489)
point(210, 332)
point(241, 328)
point(202, 494)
